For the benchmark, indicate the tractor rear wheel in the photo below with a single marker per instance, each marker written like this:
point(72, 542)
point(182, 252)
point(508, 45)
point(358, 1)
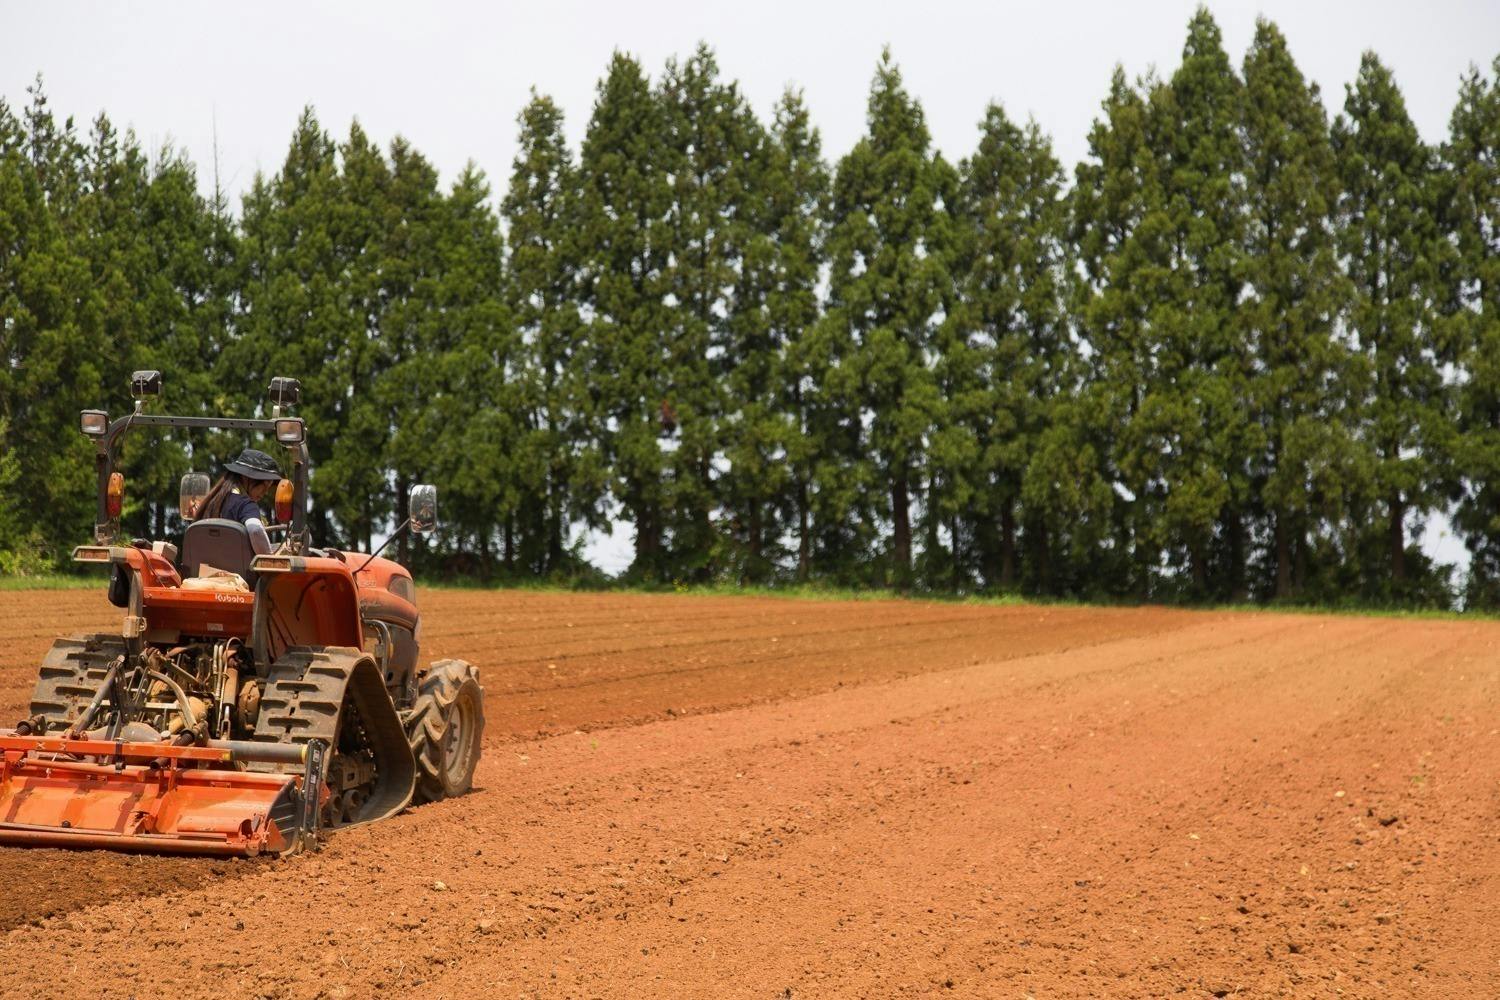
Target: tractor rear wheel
point(445, 727)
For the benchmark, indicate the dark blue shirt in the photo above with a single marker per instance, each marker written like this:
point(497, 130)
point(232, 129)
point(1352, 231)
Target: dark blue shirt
point(241, 508)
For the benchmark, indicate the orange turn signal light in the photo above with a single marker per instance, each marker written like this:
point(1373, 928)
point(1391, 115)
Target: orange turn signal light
point(114, 495)
point(284, 501)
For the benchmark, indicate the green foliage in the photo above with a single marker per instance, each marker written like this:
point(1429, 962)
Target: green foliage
point(718, 355)
point(1472, 155)
point(566, 475)
point(1004, 366)
point(888, 247)
point(1161, 216)
point(1395, 255)
point(791, 253)
point(1308, 465)
point(624, 240)
point(1244, 355)
point(1122, 235)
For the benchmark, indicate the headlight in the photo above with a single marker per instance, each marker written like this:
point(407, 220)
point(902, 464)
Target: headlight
point(94, 423)
point(289, 430)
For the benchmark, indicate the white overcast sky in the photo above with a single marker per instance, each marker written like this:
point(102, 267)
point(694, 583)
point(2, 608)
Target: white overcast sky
point(452, 76)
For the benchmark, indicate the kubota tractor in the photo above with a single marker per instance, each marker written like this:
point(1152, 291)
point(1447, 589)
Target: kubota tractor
point(248, 701)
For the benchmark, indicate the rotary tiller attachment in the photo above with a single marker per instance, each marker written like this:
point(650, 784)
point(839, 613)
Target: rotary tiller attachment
point(146, 796)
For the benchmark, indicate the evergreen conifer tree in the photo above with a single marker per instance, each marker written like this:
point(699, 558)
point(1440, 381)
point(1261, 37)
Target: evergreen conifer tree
point(1192, 435)
point(1393, 251)
point(474, 424)
point(542, 291)
point(1295, 293)
point(186, 291)
point(48, 344)
point(796, 189)
point(1472, 156)
point(888, 244)
point(624, 247)
point(360, 349)
point(1123, 239)
point(1003, 357)
point(714, 149)
point(299, 314)
point(407, 243)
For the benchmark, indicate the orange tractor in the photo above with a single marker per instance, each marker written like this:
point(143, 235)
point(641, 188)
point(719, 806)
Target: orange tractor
point(248, 701)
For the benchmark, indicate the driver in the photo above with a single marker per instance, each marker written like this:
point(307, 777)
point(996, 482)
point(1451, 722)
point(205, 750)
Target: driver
point(236, 496)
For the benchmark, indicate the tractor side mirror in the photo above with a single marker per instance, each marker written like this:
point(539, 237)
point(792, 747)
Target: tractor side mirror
point(423, 509)
point(190, 494)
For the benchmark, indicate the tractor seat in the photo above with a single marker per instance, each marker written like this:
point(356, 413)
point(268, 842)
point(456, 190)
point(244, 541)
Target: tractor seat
point(220, 544)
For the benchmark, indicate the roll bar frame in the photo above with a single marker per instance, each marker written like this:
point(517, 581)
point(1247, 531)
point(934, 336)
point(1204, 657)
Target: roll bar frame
point(105, 530)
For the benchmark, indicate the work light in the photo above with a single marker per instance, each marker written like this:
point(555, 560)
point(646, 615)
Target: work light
point(289, 430)
point(145, 384)
point(285, 391)
point(94, 423)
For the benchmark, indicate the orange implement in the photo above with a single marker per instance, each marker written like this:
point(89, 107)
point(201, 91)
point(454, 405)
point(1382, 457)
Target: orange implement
point(141, 796)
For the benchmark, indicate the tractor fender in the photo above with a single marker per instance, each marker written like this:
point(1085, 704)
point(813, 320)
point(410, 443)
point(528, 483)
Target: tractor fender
point(313, 601)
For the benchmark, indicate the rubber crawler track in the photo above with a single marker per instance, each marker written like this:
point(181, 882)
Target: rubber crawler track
point(70, 675)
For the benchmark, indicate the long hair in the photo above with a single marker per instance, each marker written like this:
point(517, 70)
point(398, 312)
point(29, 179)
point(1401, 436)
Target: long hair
point(218, 495)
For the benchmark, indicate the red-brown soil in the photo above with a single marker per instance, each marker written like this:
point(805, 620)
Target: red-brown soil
point(686, 796)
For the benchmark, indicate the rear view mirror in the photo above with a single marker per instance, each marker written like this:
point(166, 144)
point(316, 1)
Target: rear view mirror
point(194, 488)
point(423, 508)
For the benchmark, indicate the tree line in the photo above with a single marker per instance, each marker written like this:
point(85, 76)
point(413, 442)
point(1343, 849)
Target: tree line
point(1243, 352)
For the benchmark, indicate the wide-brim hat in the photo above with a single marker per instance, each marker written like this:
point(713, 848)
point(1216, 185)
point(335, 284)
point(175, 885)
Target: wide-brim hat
point(254, 464)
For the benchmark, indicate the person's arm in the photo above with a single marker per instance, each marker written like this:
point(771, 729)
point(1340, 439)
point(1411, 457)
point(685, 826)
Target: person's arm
point(259, 540)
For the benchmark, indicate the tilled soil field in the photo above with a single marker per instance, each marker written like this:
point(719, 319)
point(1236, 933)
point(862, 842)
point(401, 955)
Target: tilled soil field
point(687, 796)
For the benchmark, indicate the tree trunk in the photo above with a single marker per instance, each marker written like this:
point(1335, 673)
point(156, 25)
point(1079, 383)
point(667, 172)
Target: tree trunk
point(1198, 562)
point(1234, 524)
point(1043, 557)
point(1283, 556)
point(804, 536)
point(554, 530)
point(704, 518)
point(1398, 537)
point(510, 542)
point(1299, 559)
point(647, 543)
point(755, 529)
point(901, 528)
point(1146, 560)
point(931, 544)
point(1007, 544)
point(956, 577)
